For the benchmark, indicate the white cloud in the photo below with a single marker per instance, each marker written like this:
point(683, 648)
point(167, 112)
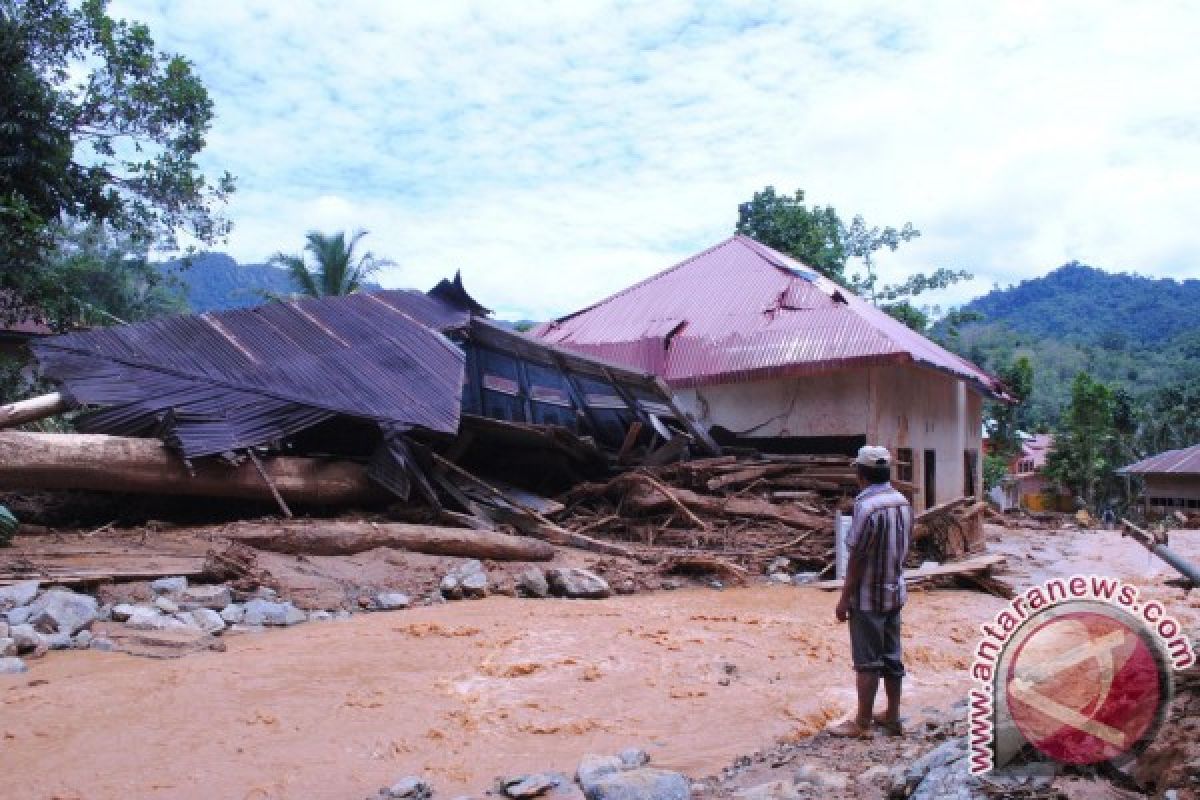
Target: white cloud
point(558, 151)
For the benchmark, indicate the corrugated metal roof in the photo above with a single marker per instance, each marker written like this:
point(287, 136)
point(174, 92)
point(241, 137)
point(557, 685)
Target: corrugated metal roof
point(740, 311)
point(1172, 462)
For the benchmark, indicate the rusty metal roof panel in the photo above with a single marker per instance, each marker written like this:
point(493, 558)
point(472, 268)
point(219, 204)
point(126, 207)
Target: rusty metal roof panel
point(740, 311)
point(1172, 462)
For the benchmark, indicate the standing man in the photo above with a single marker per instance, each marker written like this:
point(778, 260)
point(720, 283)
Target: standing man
point(873, 591)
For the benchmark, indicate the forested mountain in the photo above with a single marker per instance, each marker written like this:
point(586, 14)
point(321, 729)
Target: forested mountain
point(215, 281)
point(1128, 331)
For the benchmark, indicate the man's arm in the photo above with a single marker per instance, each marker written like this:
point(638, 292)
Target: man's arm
point(855, 564)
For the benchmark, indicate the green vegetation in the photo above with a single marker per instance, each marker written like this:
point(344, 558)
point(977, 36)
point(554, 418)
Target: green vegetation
point(818, 238)
point(336, 268)
point(97, 127)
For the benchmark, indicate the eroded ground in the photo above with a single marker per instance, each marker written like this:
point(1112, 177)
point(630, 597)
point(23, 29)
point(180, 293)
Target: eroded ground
point(468, 691)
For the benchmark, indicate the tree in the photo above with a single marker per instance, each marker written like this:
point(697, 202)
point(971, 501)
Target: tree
point(98, 126)
point(1010, 419)
point(336, 270)
point(818, 238)
point(812, 236)
point(1083, 454)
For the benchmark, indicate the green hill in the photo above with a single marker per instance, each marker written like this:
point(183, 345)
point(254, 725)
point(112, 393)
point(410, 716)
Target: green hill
point(1126, 330)
point(215, 281)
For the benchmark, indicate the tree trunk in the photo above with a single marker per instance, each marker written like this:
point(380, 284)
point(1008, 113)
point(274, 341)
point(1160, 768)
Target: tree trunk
point(339, 538)
point(32, 409)
point(121, 464)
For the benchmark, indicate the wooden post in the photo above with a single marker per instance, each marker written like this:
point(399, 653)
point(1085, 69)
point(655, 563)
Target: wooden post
point(32, 409)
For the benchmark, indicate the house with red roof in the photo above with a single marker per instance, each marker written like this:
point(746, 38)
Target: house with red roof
point(768, 353)
point(1171, 481)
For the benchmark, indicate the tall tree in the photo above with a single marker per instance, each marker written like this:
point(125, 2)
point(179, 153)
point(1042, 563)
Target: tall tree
point(1011, 419)
point(1084, 454)
point(96, 125)
point(336, 268)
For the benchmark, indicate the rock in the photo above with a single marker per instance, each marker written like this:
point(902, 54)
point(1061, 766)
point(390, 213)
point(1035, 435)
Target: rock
point(148, 618)
point(801, 578)
point(474, 584)
point(8, 647)
point(205, 619)
point(671, 584)
point(626, 587)
point(640, 784)
point(530, 786)
point(210, 597)
point(468, 579)
point(266, 612)
point(240, 627)
point(172, 586)
point(342, 615)
point(104, 612)
point(391, 601)
point(12, 666)
point(58, 641)
point(780, 578)
point(779, 564)
point(450, 589)
point(19, 594)
point(26, 638)
point(634, 757)
point(233, 613)
point(820, 778)
point(123, 611)
point(593, 768)
point(577, 583)
point(103, 645)
point(61, 611)
point(320, 616)
point(532, 583)
point(19, 615)
point(82, 640)
point(410, 788)
point(166, 605)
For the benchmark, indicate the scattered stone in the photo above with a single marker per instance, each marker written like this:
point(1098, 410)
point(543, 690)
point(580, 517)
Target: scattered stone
point(265, 593)
point(103, 645)
point(243, 628)
point(532, 583)
point(526, 787)
point(104, 612)
point(19, 615)
point(233, 613)
point(716, 584)
point(122, 611)
point(577, 583)
point(634, 757)
point(941, 773)
point(148, 618)
point(593, 768)
point(475, 584)
point(780, 578)
point(82, 640)
point(779, 564)
point(210, 597)
point(61, 611)
point(468, 579)
point(166, 605)
point(319, 616)
point(450, 588)
point(173, 586)
point(19, 594)
point(626, 586)
point(58, 641)
point(391, 601)
point(205, 619)
point(26, 638)
point(820, 778)
point(342, 615)
point(410, 788)
point(12, 666)
point(801, 578)
point(640, 784)
point(266, 612)
point(8, 647)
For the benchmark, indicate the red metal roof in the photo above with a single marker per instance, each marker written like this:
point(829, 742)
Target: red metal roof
point(1172, 462)
point(741, 311)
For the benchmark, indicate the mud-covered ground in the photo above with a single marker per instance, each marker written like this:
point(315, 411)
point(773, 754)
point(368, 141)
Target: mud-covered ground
point(467, 691)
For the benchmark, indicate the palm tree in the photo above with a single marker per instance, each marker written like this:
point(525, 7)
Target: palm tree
point(337, 270)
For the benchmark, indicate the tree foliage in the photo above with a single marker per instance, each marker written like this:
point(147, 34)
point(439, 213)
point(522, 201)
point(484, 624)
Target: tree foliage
point(817, 237)
point(97, 126)
point(336, 269)
point(1009, 420)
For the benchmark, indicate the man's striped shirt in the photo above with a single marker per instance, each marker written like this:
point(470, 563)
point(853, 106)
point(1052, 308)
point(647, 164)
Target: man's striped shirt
point(879, 535)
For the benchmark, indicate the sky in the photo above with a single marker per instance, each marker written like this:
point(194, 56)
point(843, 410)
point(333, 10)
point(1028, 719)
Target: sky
point(556, 152)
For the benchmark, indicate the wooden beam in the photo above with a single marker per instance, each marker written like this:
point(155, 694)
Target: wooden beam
point(32, 409)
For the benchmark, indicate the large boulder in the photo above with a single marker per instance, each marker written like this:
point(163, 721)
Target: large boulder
point(25, 638)
point(19, 594)
point(532, 583)
point(577, 583)
point(205, 619)
point(61, 611)
point(468, 579)
point(592, 768)
point(645, 783)
point(148, 618)
point(267, 612)
point(390, 601)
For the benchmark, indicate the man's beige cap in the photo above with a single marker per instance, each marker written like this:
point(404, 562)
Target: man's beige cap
point(873, 456)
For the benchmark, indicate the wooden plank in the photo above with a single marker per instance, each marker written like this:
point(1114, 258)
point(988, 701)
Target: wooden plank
point(976, 564)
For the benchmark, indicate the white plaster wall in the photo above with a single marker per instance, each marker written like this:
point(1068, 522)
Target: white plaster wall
point(902, 406)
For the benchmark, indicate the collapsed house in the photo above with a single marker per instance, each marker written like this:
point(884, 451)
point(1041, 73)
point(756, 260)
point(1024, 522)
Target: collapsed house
point(772, 355)
point(384, 379)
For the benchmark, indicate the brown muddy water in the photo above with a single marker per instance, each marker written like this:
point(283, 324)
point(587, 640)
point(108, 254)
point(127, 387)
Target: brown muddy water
point(465, 692)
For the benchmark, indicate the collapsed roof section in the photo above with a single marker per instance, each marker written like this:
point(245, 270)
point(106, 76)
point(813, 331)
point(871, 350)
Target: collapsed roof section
point(405, 361)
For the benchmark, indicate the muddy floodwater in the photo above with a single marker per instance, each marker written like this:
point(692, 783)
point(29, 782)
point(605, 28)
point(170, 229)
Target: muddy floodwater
point(468, 691)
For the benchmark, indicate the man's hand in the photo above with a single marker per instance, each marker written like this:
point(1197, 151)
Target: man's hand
point(843, 609)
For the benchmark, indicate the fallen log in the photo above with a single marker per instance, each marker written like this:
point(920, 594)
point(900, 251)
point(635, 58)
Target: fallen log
point(646, 500)
point(707, 564)
point(122, 464)
point(340, 538)
point(32, 409)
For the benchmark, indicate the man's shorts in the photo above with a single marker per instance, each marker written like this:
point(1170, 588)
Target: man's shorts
point(875, 642)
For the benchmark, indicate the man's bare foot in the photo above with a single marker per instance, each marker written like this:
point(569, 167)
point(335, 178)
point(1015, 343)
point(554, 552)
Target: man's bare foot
point(889, 726)
point(850, 729)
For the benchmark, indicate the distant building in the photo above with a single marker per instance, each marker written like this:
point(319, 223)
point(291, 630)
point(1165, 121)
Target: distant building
point(768, 353)
point(1171, 480)
point(1026, 485)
